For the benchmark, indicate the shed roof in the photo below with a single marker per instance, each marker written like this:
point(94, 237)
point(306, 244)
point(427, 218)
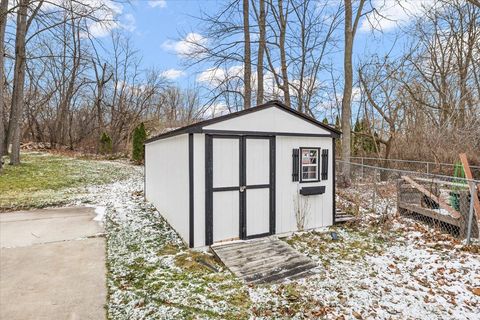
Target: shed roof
point(198, 126)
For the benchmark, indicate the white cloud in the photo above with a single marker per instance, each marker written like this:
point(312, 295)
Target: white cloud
point(191, 44)
point(107, 15)
point(173, 74)
point(394, 13)
point(216, 76)
point(157, 3)
point(216, 109)
point(128, 22)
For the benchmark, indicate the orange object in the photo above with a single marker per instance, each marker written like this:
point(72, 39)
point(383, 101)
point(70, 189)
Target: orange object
point(469, 176)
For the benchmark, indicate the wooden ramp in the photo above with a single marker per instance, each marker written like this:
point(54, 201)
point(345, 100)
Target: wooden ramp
point(264, 261)
point(341, 217)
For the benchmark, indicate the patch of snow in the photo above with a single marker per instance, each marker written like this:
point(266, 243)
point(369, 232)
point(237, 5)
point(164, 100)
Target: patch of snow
point(100, 214)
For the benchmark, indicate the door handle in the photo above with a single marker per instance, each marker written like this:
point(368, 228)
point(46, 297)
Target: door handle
point(242, 188)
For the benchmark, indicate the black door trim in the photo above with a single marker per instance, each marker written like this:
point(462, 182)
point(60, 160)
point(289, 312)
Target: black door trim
point(208, 191)
point(273, 174)
point(191, 205)
point(242, 182)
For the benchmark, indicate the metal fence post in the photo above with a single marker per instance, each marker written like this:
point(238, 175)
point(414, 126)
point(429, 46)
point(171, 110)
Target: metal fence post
point(428, 167)
point(362, 168)
point(374, 200)
point(470, 213)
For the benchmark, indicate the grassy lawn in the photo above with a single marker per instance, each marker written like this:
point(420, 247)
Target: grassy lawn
point(44, 179)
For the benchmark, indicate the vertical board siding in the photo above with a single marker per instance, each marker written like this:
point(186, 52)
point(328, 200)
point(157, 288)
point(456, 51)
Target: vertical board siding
point(268, 120)
point(319, 207)
point(257, 165)
point(167, 183)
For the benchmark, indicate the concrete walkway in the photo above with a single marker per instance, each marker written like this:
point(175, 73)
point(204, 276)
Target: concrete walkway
point(52, 265)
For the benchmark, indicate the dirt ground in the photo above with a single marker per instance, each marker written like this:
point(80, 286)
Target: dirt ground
point(52, 265)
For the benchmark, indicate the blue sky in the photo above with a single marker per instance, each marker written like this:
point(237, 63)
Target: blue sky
point(156, 26)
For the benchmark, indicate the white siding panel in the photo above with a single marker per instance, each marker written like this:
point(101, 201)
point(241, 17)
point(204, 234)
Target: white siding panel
point(318, 208)
point(226, 162)
point(258, 161)
point(167, 180)
point(199, 189)
point(258, 208)
point(268, 120)
point(225, 215)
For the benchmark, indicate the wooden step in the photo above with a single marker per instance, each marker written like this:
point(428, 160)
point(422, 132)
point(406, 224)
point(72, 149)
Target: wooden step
point(264, 260)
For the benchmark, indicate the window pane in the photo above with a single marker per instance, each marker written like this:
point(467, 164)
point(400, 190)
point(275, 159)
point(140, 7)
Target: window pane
point(309, 169)
point(309, 156)
point(309, 176)
point(309, 164)
point(305, 157)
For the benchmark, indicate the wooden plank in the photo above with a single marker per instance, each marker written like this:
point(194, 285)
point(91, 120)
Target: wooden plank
point(261, 261)
point(469, 176)
point(267, 253)
point(441, 182)
point(275, 277)
point(278, 264)
point(257, 257)
point(454, 213)
point(429, 213)
point(248, 246)
point(239, 245)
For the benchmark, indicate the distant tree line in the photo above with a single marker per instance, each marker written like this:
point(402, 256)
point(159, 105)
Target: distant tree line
point(422, 101)
point(62, 86)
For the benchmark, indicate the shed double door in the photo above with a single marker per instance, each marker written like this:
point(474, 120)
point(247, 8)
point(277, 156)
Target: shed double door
point(240, 179)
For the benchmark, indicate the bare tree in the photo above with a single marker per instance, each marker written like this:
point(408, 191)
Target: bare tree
point(475, 2)
point(3, 24)
point(261, 50)
point(350, 29)
point(379, 79)
point(247, 64)
point(14, 128)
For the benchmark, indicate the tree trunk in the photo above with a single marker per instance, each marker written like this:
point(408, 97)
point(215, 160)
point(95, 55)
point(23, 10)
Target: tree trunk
point(247, 70)
point(3, 24)
point(261, 51)
point(350, 29)
point(347, 94)
point(283, 56)
point(15, 124)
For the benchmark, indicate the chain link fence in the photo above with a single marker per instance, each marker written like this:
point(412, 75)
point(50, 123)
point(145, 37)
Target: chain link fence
point(428, 167)
point(440, 201)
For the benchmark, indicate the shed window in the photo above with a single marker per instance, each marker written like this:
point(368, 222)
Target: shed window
point(309, 164)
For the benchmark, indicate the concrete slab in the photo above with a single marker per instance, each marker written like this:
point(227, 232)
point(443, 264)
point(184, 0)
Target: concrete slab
point(58, 273)
point(25, 228)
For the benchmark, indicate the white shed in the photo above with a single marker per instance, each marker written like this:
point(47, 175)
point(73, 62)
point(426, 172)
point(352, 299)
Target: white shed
point(257, 172)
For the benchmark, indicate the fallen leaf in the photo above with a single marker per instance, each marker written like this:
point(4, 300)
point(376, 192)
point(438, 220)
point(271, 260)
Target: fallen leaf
point(476, 291)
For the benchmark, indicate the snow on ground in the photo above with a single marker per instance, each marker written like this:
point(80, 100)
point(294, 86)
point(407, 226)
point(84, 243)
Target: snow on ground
point(376, 273)
point(386, 270)
point(151, 274)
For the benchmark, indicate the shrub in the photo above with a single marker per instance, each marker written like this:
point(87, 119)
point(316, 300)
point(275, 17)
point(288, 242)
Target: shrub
point(105, 144)
point(139, 137)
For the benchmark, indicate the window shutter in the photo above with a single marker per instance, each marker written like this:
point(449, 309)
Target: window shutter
point(295, 164)
point(324, 164)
